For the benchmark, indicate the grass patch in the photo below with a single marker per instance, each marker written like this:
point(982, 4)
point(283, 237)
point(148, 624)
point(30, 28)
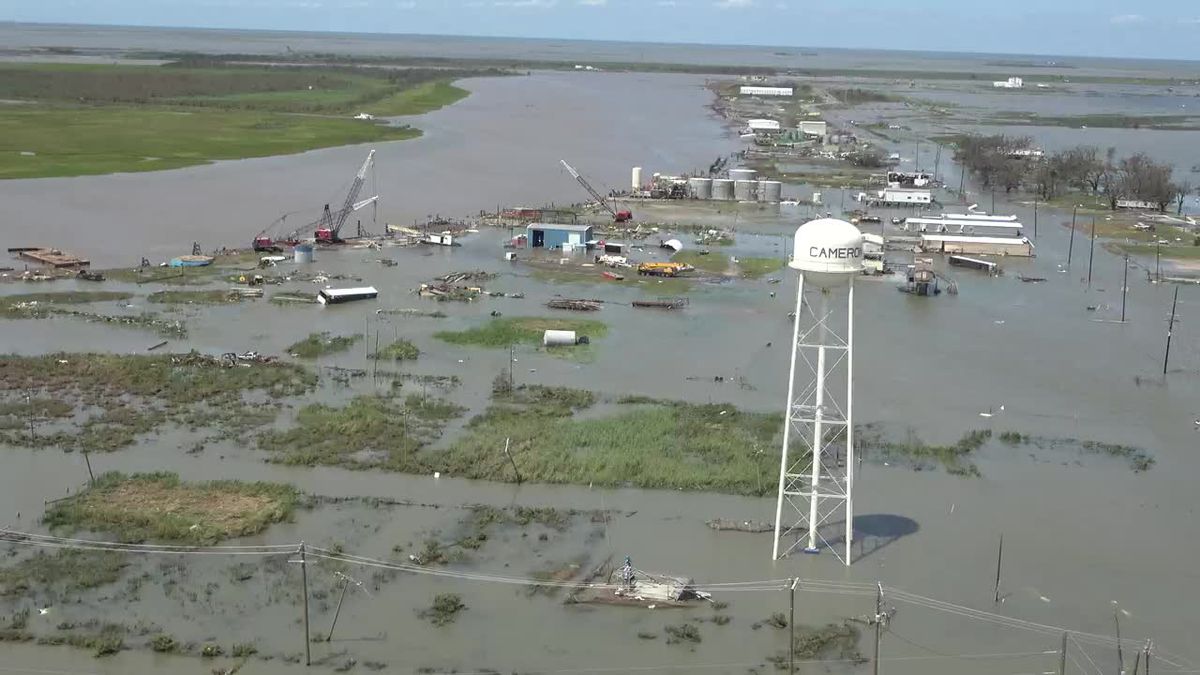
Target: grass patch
point(419, 100)
point(955, 458)
point(400, 350)
point(159, 507)
point(1171, 252)
point(563, 398)
point(291, 297)
point(11, 305)
point(213, 297)
point(66, 571)
point(833, 642)
point(322, 344)
point(662, 445)
point(115, 398)
point(755, 268)
point(502, 332)
point(711, 263)
point(80, 141)
point(444, 610)
point(368, 431)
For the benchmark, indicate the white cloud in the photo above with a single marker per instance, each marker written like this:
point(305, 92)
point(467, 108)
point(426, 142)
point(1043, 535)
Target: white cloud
point(406, 4)
point(1125, 19)
point(667, 3)
point(733, 4)
point(594, 3)
point(525, 3)
point(1190, 22)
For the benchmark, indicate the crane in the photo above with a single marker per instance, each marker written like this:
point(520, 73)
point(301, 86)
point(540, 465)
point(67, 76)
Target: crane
point(618, 216)
point(329, 226)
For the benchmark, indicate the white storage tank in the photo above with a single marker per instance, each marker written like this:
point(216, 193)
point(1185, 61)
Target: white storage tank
point(303, 253)
point(701, 188)
point(636, 179)
point(722, 189)
point(558, 338)
point(744, 190)
point(741, 174)
point(770, 191)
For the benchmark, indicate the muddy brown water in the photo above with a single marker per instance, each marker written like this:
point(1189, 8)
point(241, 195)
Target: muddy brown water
point(1080, 533)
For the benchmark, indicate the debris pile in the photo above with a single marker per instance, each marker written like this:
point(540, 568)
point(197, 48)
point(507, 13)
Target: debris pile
point(574, 304)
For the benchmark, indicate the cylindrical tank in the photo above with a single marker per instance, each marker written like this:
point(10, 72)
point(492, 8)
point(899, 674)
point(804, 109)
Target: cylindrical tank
point(636, 181)
point(828, 252)
point(303, 253)
point(770, 191)
point(722, 189)
point(702, 188)
point(741, 174)
point(743, 190)
point(558, 338)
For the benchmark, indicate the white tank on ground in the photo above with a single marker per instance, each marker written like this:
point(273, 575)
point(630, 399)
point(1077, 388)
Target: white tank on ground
point(744, 190)
point(636, 179)
point(558, 338)
point(701, 188)
point(770, 191)
point(303, 253)
point(722, 189)
point(742, 174)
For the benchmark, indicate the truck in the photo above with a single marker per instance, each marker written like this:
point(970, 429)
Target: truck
point(662, 269)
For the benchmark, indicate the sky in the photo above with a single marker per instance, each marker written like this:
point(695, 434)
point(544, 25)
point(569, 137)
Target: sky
point(1114, 28)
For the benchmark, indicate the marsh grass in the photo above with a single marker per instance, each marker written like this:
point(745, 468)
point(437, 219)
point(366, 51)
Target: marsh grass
point(502, 332)
point(321, 344)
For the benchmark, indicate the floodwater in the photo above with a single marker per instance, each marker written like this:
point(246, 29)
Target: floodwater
point(1079, 532)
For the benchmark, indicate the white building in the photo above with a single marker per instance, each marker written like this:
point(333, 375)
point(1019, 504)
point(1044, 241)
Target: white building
point(902, 197)
point(813, 128)
point(763, 125)
point(750, 90)
point(1010, 83)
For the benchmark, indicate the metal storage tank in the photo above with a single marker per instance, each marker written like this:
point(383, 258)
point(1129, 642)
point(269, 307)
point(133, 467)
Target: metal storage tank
point(741, 174)
point(770, 191)
point(702, 188)
point(559, 338)
point(743, 190)
point(636, 179)
point(303, 253)
point(722, 189)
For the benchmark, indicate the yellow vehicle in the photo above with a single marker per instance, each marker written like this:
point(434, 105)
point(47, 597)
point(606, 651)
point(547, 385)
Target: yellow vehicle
point(662, 269)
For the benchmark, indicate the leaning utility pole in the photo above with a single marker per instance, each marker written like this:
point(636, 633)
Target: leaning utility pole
point(1170, 329)
point(1035, 216)
point(879, 619)
point(1062, 656)
point(1124, 287)
point(1071, 241)
point(1120, 654)
point(1091, 251)
point(999, 558)
point(303, 562)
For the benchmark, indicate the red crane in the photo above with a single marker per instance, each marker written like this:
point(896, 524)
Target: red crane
point(326, 230)
point(618, 216)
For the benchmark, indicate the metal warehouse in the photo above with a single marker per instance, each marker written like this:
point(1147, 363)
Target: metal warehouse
point(947, 243)
point(561, 236)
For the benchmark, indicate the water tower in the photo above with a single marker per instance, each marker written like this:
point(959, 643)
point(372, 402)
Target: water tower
point(816, 467)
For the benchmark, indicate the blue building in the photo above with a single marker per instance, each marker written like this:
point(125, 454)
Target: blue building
point(553, 235)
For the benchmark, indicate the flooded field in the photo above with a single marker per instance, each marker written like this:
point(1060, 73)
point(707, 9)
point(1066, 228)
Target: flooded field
point(1081, 531)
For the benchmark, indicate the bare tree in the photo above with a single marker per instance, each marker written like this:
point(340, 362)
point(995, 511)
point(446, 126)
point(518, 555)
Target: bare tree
point(1183, 189)
point(1140, 177)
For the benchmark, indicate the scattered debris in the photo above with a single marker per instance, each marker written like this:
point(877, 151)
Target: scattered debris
point(753, 526)
point(662, 303)
point(577, 305)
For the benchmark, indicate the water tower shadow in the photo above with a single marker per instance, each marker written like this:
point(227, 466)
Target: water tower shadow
point(872, 532)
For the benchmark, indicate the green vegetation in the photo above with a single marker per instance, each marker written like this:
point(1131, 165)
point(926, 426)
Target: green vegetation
point(954, 458)
point(164, 644)
point(116, 398)
point(368, 431)
point(444, 610)
point(1172, 252)
point(755, 268)
point(10, 305)
point(855, 96)
point(213, 297)
point(400, 350)
point(563, 398)
point(67, 571)
point(93, 119)
point(710, 263)
point(502, 332)
point(661, 445)
point(1139, 460)
point(684, 632)
point(158, 506)
point(322, 344)
point(292, 297)
point(833, 642)
point(1099, 121)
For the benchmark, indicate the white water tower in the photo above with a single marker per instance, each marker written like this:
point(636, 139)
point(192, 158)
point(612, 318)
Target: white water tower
point(816, 466)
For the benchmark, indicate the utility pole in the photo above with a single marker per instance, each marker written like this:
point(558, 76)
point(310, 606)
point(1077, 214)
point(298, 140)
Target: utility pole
point(511, 460)
point(511, 385)
point(1062, 656)
point(1120, 654)
point(879, 619)
point(962, 180)
point(91, 476)
point(999, 558)
point(338, 610)
point(1091, 251)
point(303, 562)
point(937, 163)
point(1071, 242)
point(1157, 260)
point(29, 405)
point(1146, 653)
point(1035, 216)
point(1124, 287)
point(993, 211)
point(1170, 329)
point(792, 628)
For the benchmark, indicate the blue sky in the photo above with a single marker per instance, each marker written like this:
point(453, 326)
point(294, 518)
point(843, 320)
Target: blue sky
point(1153, 29)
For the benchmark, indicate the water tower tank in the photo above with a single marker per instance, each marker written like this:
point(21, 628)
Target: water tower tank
point(741, 174)
point(636, 180)
point(770, 191)
point(828, 252)
point(743, 190)
point(702, 188)
point(722, 189)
